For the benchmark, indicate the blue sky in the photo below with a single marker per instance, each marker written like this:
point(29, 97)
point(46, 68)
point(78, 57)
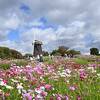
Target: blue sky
point(24, 8)
point(14, 35)
point(74, 22)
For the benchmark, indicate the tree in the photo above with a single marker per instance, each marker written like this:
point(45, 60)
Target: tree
point(72, 52)
point(54, 52)
point(15, 54)
point(27, 55)
point(45, 53)
point(94, 51)
point(6, 53)
point(62, 50)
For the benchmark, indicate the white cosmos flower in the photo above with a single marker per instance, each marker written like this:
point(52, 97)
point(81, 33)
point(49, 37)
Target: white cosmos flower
point(9, 87)
point(94, 71)
point(68, 71)
point(15, 81)
point(24, 78)
point(28, 66)
point(98, 74)
point(67, 81)
point(20, 88)
point(63, 75)
point(68, 75)
point(2, 83)
point(90, 68)
point(38, 91)
point(40, 97)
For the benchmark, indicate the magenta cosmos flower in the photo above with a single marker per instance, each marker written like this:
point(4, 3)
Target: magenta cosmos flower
point(48, 87)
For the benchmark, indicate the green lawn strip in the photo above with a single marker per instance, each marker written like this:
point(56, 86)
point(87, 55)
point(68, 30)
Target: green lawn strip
point(81, 61)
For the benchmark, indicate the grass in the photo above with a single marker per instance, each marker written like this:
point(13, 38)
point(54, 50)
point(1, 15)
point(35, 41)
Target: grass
point(81, 61)
point(6, 66)
point(86, 89)
point(21, 63)
point(47, 60)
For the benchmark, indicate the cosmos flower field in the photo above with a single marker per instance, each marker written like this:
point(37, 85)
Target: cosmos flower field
point(57, 80)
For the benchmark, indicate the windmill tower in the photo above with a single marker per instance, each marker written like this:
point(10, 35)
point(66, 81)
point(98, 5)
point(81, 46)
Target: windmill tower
point(37, 48)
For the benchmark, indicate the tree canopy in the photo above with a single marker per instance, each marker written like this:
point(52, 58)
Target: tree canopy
point(6, 53)
point(94, 51)
point(63, 50)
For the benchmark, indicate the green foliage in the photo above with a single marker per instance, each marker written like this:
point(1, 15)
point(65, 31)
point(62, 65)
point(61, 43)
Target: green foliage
point(6, 53)
point(62, 50)
point(47, 60)
point(5, 66)
point(15, 54)
point(54, 52)
point(72, 52)
point(45, 53)
point(94, 51)
point(27, 55)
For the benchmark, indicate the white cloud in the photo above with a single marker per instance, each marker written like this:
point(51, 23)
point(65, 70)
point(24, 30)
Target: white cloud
point(74, 20)
point(71, 36)
point(3, 35)
point(13, 22)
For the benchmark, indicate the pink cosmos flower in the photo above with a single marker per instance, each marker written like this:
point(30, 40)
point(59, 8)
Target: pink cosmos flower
point(28, 96)
point(67, 98)
point(79, 98)
point(43, 93)
point(83, 75)
point(5, 82)
point(93, 65)
point(73, 88)
point(7, 94)
point(48, 86)
point(39, 70)
point(58, 98)
point(50, 69)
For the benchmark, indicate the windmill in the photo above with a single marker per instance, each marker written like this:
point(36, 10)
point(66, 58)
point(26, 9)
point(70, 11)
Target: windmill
point(37, 52)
